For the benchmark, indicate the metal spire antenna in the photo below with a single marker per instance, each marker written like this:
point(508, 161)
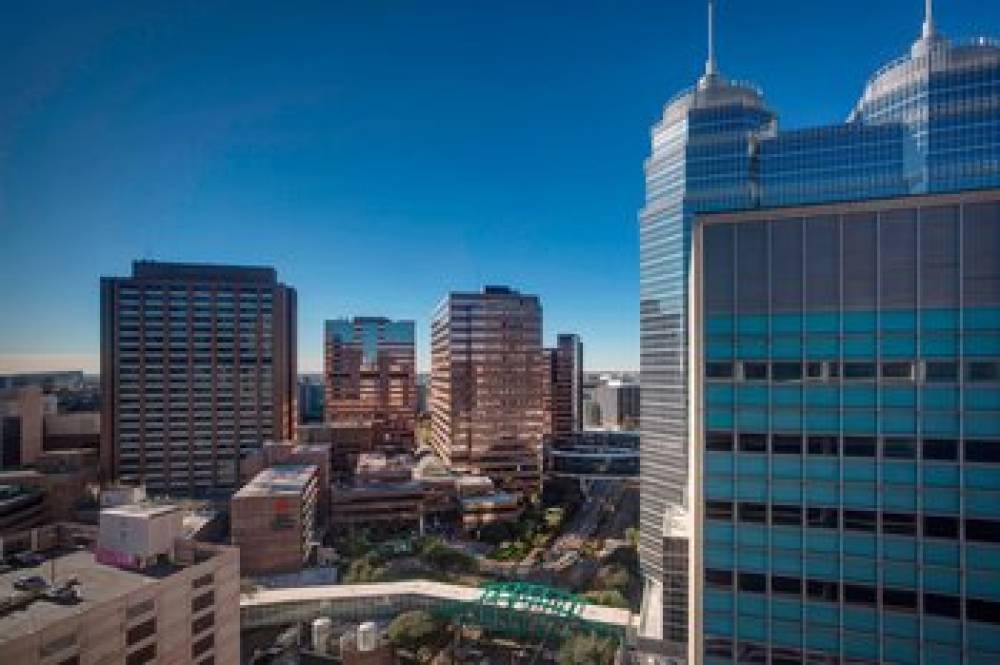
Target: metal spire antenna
point(929, 30)
point(710, 68)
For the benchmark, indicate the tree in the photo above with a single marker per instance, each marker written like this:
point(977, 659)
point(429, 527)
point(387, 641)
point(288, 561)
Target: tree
point(585, 649)
point(412, 630)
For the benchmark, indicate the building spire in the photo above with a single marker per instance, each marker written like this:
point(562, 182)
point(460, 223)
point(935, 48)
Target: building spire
point(710, 67)
point(929, 30)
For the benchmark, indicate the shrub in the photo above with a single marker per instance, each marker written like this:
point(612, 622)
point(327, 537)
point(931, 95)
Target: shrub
point(607, 597)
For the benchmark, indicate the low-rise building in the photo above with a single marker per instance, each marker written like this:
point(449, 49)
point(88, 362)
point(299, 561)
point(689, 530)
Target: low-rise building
point(177, 602)
point(273, 518)
point(21, 508)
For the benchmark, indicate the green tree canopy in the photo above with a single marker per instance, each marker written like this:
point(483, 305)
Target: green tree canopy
point(412, 630)
point(585, 649)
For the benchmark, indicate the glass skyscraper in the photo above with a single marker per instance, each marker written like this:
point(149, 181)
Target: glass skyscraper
point(820, 323)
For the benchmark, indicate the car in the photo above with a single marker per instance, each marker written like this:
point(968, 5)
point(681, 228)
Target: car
point(28, 559)
point(30, 583)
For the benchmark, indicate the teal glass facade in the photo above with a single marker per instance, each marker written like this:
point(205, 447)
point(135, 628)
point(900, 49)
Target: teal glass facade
point(869, 338)
point(852, 433)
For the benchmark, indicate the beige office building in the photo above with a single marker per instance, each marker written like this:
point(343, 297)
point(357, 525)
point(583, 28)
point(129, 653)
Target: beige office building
point(179, 605)
point(488, 385)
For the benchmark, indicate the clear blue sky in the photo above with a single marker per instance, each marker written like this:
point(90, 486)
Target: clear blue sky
point(378, 153)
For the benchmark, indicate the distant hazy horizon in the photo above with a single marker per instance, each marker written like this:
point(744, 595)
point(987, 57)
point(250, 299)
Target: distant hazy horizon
point(13, 363)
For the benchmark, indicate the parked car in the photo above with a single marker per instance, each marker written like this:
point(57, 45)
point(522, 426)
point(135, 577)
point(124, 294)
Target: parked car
point(28, 559)
point(30, 583)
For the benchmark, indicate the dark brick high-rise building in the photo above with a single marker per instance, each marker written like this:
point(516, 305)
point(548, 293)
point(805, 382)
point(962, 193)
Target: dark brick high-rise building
point(198, 368)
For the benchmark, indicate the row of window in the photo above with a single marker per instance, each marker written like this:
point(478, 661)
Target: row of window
point(905, 600)
point(984, 451)
point(752, 653)
point(865, 521)
point(783, 371)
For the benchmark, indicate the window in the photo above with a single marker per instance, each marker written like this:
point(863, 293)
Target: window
point(982, 371)
point(899, 599)
point(203, 645)
point(823, 518)
point(987, 611)
point(719, 441)
point(786, 266)
point(753, 582)
point(822, 263)
point(939, 256)
point(936, 526)
point(982, 451)
point(751, 268)
point(899, 371)
point(900, 524)
point(940, 449)
point(201, 602)
point(859, 520)
point(753, 371)
point(786, 585)
point(786, 371)
point(204, 580)
point(898, 258)
point(203, 623)
point(720, 579)
point(786, 444)
point(824, 445)
point(786, 515)
point(718, 370)
point(943, 606)
point(859, 446)
point(753, 443)
point(857, 594)
point(899, 448)
point(143, 655)
point(814, 370)
point(940, 371)
point(719, 510)
point(982, 531)
point(823, 590)
point(718, 253)
point(979, 247)
point(718, 647)
point(140, 632)
point(856, 370)
point(860, 244)
point(753, 512)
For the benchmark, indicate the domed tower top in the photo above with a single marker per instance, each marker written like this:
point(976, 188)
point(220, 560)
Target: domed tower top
point(895, 87)
point(713, 89)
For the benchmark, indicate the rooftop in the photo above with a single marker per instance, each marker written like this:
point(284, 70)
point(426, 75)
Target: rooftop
point(288, 479)
point(141, 509)
point(99, 583)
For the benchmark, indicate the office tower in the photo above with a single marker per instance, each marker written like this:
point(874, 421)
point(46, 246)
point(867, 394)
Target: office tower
point(370, 368)
point(312, 389)
point(144, 594)
point(564, 401)
point(487, 381)
point(198, 368)
point(819, 486)
point(618, 404)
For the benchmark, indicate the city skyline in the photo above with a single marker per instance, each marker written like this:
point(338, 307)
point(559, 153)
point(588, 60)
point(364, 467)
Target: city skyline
point(275, 162)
